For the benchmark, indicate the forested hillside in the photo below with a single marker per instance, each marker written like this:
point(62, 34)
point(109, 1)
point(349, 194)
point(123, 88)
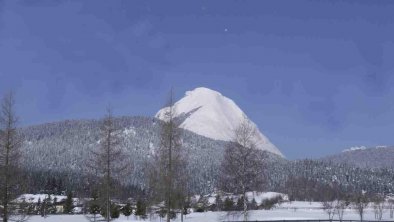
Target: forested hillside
point(57, 154)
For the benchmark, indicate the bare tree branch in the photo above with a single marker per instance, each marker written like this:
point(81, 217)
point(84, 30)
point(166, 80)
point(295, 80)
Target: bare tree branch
point(167, 172)
point(108, 160)
point(243, 165)
point(10, 143)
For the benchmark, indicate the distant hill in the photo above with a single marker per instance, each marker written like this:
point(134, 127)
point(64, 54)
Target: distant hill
point(66, 146)
point(59, 151)
point(374, 157)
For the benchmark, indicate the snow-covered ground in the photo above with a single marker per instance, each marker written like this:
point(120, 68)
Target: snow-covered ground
point(287, 211)
point(34, 198)
point(258, 196)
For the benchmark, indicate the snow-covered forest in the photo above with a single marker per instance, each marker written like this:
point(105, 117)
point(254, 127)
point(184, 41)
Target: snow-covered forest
point(58, 151)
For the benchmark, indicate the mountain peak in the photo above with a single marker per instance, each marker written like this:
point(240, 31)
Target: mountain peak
point(202, 91)
point(210, 114)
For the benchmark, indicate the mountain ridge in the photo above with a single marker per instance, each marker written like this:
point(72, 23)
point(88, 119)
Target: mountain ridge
point(363, 157)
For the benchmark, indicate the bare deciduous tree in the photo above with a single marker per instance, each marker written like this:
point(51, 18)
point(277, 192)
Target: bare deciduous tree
point(360, 203)
point(379, 206)
point(108, 160)
point(391, 207)
point(243, 164)
point(329, 208)
point(10, 142)
point(340, 207)
point(168, 178)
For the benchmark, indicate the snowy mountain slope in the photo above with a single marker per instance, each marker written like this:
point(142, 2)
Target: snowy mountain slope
point(55, 148)
point(208, 113)
point(374, 157)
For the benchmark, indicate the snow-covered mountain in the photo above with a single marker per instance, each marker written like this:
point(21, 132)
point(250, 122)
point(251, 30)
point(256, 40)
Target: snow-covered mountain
point(208, 113)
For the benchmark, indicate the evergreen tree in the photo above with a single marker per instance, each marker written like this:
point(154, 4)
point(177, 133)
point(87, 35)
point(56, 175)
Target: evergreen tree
point(115, 211)
point(68, 205)
point(253, 204)
point(240, 203)
point(228, 204)
point(140, 209)
point(94, 207)
point(127, 210)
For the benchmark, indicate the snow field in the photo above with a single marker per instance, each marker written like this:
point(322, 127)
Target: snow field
point(296, 210)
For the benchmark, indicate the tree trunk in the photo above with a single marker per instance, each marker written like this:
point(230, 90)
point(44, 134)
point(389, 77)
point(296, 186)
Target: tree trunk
point(166, 173)
point(245, 208)
point(6, 198)
point(169, 182)
point(169, 168)
point(108, 175)
point(7, 110)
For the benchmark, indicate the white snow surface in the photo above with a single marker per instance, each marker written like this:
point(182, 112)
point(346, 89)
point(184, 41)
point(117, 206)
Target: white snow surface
point(34, 198)
point(214, 116)
point(259, 197)
point(297, 210)
point(355, 148)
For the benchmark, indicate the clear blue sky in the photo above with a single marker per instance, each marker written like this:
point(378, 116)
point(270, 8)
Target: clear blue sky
point(316, 76)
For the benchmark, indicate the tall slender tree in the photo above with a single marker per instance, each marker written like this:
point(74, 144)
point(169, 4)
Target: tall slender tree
point(360, 203)
point(10, 142)
point(108, 160)
point(243, 164)
point(167, 172)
